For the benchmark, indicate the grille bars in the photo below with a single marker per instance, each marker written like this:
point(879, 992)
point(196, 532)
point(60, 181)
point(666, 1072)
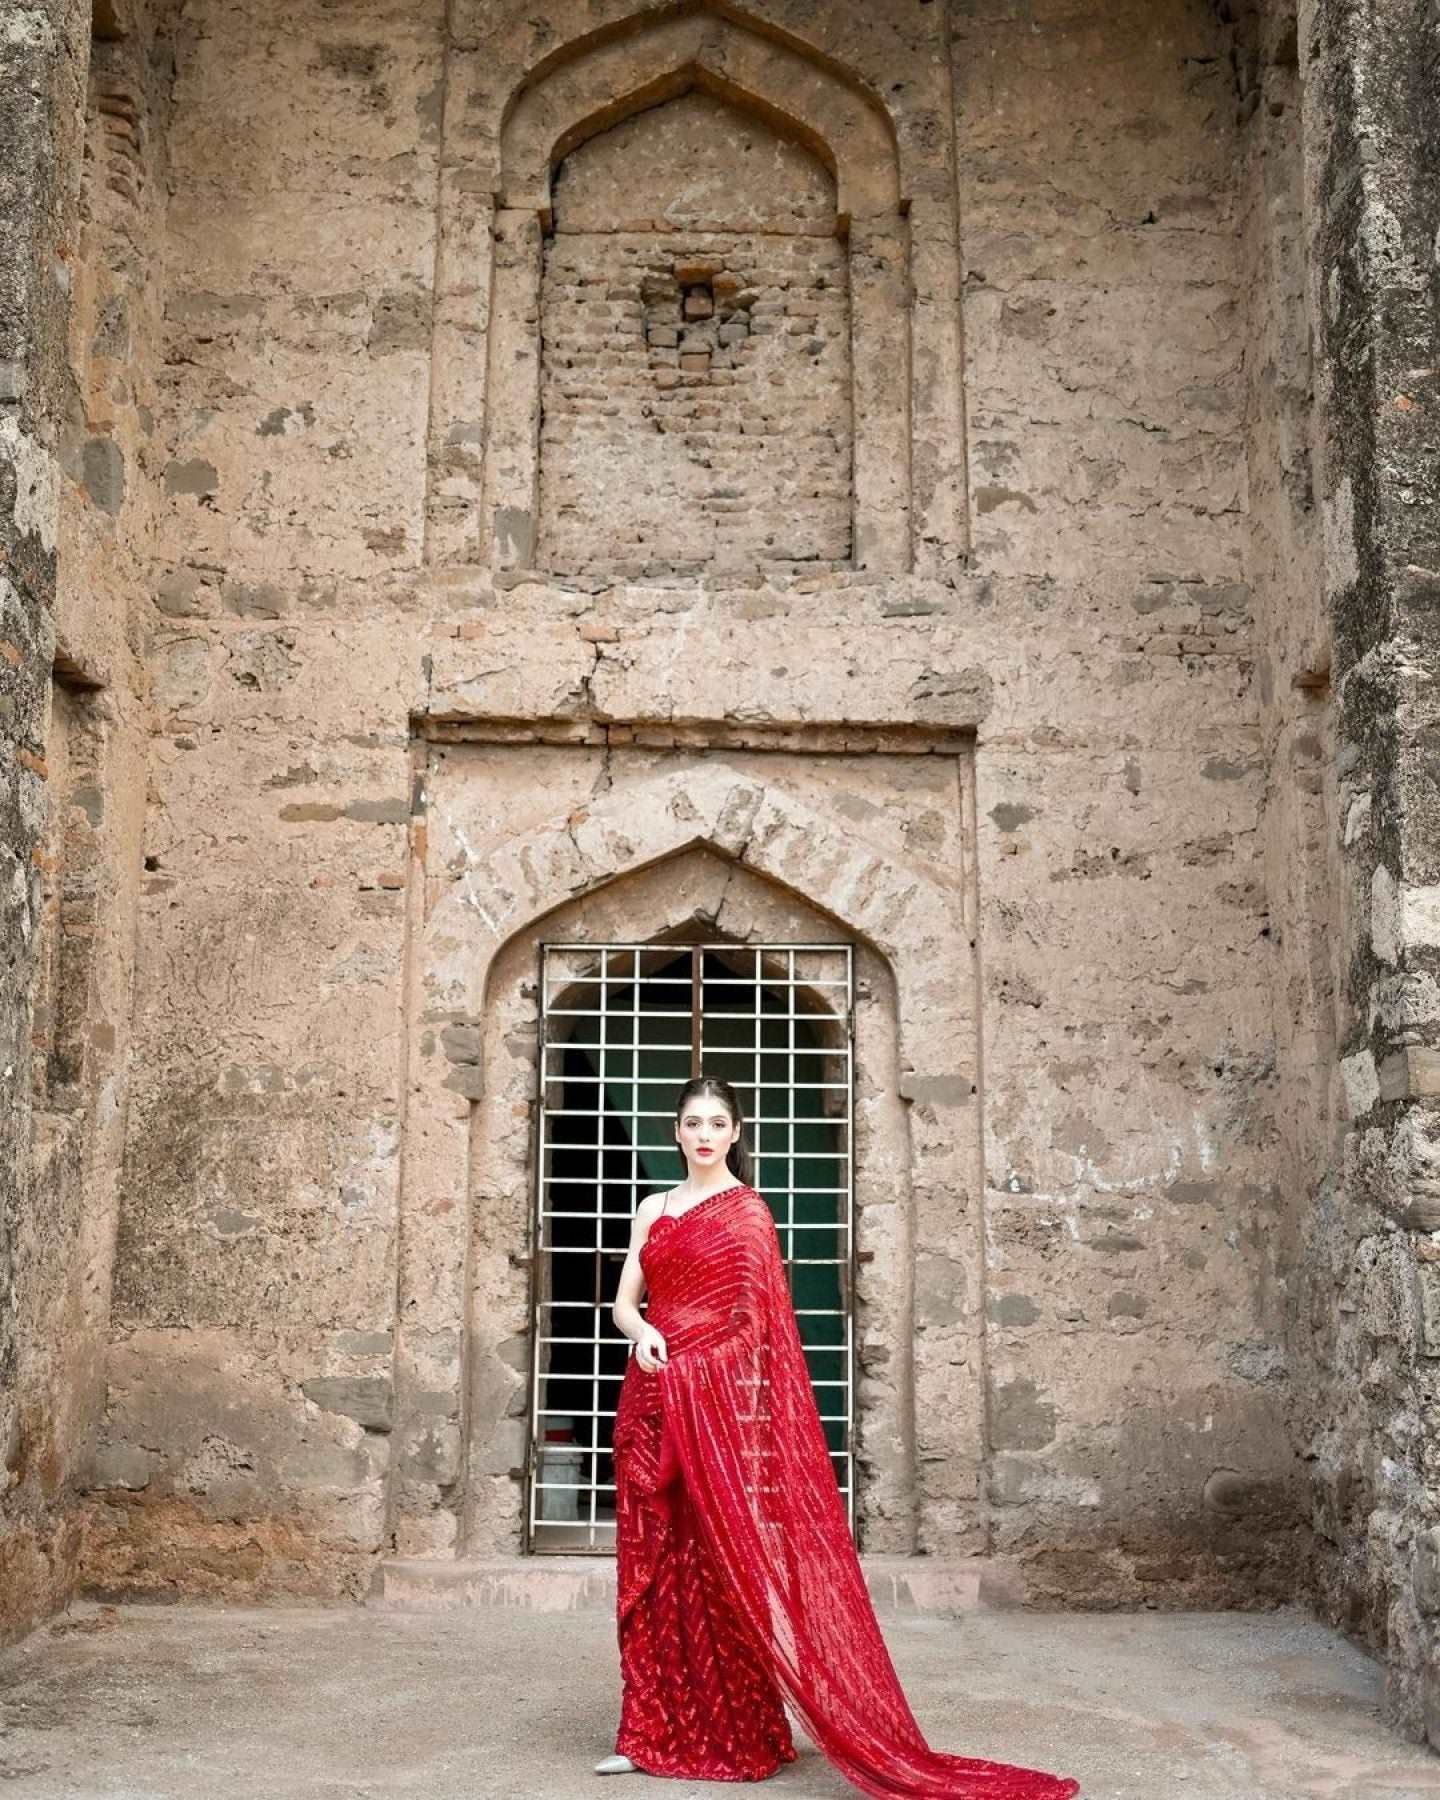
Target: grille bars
point(621, 1027)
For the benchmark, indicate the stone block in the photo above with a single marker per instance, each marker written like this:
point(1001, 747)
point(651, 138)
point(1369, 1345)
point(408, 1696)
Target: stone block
point(1427, 1295)
point(103, 473)
point(179, 595)
point(1411, 1073)
point(121, 1465)
point(368, 1399)
point(461, 1043)
point(468, 1080)
point(1020, 1419)
point(1425, 1570)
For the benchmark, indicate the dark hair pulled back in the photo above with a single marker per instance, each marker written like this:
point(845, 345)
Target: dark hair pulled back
point(699, 1087)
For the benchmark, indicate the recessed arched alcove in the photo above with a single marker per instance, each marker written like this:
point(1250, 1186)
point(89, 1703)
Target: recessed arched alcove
point(852, 495)
point(695, 351)
point(503, 1146)
point(622, 1026)
point(750, 846)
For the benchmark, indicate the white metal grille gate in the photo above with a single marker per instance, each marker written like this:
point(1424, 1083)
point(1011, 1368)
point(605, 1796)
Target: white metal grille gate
point(622, 1027)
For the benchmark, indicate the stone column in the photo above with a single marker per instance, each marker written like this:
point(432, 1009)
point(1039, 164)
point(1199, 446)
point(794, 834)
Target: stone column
point(880, 359)
point(1371, 88)
point(512, 428)
point(455, 464)
point(940, 528)
point(44, 57)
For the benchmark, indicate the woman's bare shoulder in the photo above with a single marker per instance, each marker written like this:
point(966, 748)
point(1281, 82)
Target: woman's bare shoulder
point(646, 1213)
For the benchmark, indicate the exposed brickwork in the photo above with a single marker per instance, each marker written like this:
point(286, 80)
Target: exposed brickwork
point(678, 441)
point(696, 384)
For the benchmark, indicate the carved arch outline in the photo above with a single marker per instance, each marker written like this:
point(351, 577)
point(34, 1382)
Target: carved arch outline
point(600, 79)
point(467, 1106)
point(910, 486)
point(823, 860)
point(652, 904)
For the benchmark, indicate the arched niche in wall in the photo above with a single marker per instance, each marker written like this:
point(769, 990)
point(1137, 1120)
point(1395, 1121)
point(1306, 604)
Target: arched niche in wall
point(756, 851)
point(696, 380)
point(591, 87)
point(500, 1181)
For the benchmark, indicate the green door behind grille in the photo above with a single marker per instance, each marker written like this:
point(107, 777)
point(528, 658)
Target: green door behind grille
point(620, 1034)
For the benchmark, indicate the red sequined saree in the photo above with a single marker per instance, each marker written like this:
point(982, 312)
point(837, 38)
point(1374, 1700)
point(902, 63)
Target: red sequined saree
point(739, 1587)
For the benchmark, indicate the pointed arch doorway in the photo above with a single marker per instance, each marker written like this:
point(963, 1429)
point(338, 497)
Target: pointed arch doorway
point(622, 1027)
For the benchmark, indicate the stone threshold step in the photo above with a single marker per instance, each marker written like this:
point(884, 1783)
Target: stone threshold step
point(942, 1586)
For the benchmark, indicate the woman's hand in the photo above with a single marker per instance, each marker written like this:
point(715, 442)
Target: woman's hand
point(650, 1351)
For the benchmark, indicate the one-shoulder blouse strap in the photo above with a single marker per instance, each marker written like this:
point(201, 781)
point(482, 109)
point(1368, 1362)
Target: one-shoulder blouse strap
point(664, 1203)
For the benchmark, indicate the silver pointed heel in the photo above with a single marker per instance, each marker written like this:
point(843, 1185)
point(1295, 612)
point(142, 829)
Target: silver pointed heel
point(614, 1765)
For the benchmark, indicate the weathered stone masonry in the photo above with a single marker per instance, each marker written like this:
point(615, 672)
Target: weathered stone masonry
point(77, 414)
point(1371, 1277)
point(49, 1343)
point(695, 385)
point(911, 474)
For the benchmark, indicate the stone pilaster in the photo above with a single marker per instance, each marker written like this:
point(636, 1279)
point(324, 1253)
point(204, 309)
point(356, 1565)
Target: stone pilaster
point(44, 51)
point(1372, 147)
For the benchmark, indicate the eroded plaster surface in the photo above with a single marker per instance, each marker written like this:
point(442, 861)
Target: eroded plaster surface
point(878, 471)
point(1039, 723)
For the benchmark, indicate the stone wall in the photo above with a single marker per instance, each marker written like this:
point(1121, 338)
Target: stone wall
point(42, 67)
point(78, 406)
point(916, 475)
point(1075, 1320)
point(1133, 1186)
point(1371, 124)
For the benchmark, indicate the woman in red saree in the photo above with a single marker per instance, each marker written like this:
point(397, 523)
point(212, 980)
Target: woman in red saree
point(739, 1590)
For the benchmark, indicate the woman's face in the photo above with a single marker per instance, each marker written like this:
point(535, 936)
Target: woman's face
point(704, 1132)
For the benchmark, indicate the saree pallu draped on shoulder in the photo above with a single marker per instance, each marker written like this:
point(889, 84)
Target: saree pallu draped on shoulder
point(738, 1424)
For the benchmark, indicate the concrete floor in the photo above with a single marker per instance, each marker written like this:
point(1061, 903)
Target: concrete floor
point(207, 1703)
